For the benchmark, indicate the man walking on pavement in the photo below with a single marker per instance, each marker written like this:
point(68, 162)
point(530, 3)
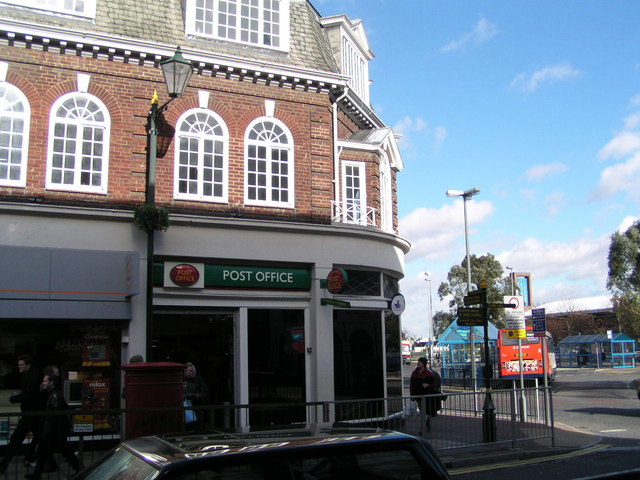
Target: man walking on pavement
point(30, 401)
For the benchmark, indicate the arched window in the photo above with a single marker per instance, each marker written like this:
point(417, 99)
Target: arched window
point(14, 135)
point(202, 152)
point(269, 164)
point(78, 144)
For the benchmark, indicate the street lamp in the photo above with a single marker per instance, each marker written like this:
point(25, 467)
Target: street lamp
point(430, 335)
point(511, 277)
point(176, 71)
point(466, 195)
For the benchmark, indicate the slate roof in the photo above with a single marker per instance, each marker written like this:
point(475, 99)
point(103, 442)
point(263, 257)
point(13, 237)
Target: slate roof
point(160, 23)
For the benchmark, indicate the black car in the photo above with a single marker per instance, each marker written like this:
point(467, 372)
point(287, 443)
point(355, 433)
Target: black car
point(284, 455)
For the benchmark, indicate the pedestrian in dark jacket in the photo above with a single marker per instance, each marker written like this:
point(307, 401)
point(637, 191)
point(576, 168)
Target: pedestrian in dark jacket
point(195, 393)
point(29, 400)
point(425, 382)
point(54, 428)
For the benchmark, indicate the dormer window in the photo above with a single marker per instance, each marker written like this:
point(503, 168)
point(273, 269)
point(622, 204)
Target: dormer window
point(263, 23)
point(356, 67)
point(350, 46)
point(78, 8)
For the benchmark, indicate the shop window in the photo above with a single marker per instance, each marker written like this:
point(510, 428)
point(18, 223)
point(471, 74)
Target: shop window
point(393, 359)
point(390, 286)
point(15, 114)
point(276, 365)
point(363, 282)
point(202, 153)
point(207, 341)
point(87, 355)
point(358, 345)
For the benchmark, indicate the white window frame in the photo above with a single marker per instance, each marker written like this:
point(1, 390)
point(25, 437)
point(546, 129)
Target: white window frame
point(259, 22)
point(77, 8)
point(356, 67)
point(386, 195)
point(354, 210)
point(200, 133)
point(7, 113)
point(82, 124)
point(270, 146)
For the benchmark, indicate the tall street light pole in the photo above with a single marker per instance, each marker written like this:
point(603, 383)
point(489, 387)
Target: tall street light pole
point(466, 195)
point(430, 335)
point(177, 71)
point(511, 277)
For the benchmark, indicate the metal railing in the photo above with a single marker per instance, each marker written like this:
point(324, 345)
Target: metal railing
point(352, 213)
point(519, 415)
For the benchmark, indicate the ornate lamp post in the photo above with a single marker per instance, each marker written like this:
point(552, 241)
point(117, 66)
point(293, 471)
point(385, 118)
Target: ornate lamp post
point(177, 71)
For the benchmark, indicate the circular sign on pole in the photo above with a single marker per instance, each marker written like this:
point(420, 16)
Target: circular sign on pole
point(397, 304)
point(336, 280)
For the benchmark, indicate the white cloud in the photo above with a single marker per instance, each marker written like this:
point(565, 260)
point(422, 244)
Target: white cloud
point(481, 32)
point(620, 178)
point(581, 259)
point(622, 145)
point(411, 127)
point(540, 172)
point(554, 203)
point(433, 232)
point(547, 75)
point(626, 223)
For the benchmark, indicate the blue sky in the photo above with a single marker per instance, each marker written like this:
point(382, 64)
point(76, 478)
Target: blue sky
point(537, 103)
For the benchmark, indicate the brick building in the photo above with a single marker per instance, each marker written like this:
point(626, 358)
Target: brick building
point(273, 167)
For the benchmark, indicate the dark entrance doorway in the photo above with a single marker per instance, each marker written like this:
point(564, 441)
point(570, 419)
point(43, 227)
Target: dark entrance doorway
point(206, 340)
point(276, 366)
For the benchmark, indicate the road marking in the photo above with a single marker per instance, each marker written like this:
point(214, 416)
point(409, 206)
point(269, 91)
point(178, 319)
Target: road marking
point(495, 466)
point(614, 430)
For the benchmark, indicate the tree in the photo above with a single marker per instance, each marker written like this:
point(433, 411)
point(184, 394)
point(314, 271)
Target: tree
point(485, 268)
point(624, 278)
point(441, 320)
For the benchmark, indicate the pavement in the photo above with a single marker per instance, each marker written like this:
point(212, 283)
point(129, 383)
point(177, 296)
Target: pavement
point(566, 440)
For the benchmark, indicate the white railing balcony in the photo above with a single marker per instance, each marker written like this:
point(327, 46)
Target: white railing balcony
point(353, 214)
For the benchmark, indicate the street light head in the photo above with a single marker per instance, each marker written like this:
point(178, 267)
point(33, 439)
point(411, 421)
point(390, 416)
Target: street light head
point(455, 193)
point(177, 71)
point(471, 192)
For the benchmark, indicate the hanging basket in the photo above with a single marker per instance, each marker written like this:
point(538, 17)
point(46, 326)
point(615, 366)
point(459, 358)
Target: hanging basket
point(149, 218)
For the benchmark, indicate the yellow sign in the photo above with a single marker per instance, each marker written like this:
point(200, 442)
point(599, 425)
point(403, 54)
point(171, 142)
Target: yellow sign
point(518, 333)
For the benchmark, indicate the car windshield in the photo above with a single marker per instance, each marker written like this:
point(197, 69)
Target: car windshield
point(121, 465)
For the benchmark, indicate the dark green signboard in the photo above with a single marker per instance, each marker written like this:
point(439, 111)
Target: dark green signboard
point(256, 277)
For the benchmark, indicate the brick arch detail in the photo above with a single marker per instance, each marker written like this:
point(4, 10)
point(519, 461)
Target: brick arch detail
point(26, 87)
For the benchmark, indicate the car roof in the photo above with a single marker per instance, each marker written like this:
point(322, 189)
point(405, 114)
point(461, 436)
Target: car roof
point(164, 449)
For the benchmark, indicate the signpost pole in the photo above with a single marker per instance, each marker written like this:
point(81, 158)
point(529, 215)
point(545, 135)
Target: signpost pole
point(523, 403)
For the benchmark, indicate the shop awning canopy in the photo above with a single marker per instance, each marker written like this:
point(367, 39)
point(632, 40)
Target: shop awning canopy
point(455, 334)
point(595, 338)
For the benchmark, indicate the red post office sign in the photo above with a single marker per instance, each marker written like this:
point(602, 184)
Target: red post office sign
point(184, 275)
point(336, 280)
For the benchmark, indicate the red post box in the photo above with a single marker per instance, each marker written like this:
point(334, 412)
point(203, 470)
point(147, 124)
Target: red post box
point(159, 387)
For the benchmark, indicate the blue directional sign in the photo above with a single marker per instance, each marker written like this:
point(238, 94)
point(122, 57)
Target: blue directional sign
point(539, 322)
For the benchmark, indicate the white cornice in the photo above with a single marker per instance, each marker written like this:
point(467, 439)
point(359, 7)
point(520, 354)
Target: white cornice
point(153, 50)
